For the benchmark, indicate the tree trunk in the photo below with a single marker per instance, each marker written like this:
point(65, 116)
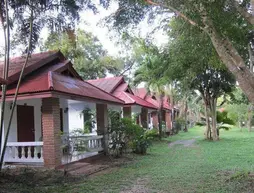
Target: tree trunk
point(17, 88)
point(250, 116)
point(185, 115)
point(160, 116)
point(214, 121)
point(6, 30)
point(208, 128)
point(160, 123)
point(232, 59)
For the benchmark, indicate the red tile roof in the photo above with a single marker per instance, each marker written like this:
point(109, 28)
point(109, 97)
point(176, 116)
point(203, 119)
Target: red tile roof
point(121, 87)
point(131, 99)
point(53, 81)
point(42, 75)
point(34, 62)
point(143, 93)
point(117, 86)
point(108, 84)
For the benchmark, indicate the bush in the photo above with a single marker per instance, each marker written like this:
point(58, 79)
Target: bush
point(177, 125)
point(200, 123)
point(153, 133)
point(126, 134)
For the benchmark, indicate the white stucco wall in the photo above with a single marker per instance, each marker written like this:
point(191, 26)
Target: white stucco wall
point(76, 120)
point(135, 109)
point(36, 103)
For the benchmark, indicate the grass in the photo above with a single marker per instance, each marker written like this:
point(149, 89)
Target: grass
point(222, 166)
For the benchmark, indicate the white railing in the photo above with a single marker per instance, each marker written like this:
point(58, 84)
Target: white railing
point(24, 152)
point(80, 147)
point(82, 144)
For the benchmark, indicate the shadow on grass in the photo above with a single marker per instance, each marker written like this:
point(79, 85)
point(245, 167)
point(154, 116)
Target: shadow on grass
point(33, 180)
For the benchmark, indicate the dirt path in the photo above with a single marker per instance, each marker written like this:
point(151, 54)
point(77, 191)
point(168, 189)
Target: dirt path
point(185, 143)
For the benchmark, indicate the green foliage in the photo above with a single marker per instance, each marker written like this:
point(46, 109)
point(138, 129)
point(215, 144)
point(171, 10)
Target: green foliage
point(78, 132)
point(54, 15)
point(124, 134)
point(237, 112)
point(89, 120)
point(153, 133)
point(238, 97)
point(86, 52)
point(200, 123)
point(178, 125)
point(222, 117)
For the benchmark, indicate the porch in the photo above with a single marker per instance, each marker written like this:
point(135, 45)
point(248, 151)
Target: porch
point(41, 131)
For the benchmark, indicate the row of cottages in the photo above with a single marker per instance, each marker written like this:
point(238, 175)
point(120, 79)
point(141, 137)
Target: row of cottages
point(50, 99)
point(137, 102)
point(169, 112)
point(50, 102)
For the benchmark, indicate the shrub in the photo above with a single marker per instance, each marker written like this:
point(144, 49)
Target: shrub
point(126, 134)
point(177, 125)
point(200, 123)
point(153, 133)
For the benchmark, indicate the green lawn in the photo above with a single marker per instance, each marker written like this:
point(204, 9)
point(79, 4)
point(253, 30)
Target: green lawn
point(221, 166)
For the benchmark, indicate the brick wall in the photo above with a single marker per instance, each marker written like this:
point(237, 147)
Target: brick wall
point(52, 151)
point(155, 121)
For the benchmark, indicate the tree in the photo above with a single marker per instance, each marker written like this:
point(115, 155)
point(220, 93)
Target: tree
point(86, 52)
point(212, 83)
point(191, 61)
point(229, 37)
point(147, 57)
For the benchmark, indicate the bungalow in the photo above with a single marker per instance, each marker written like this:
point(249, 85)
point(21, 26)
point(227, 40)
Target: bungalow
point(166, 112)
point(50, 94)
point(132, 104)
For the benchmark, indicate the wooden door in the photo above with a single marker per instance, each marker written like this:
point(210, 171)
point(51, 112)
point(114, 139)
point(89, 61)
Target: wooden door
point(25, 123)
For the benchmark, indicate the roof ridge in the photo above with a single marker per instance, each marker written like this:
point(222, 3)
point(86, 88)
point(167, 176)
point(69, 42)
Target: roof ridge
point(129, 97)
point(16, 57)
point(114, 77)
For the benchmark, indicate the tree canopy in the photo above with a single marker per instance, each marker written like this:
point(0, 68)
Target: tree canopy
point(86, 52)
point(227, 24)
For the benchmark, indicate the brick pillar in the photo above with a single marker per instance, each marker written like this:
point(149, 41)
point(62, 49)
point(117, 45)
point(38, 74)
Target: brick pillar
point(52, 152)
point(102, 124)
point(168, 121)
point(127, 112)
point(144, 117)
point(155, 119)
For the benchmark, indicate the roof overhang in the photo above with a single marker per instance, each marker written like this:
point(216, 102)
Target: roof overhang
point(57, 94)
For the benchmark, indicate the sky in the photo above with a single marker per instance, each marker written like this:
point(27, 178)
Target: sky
point(103, 33)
